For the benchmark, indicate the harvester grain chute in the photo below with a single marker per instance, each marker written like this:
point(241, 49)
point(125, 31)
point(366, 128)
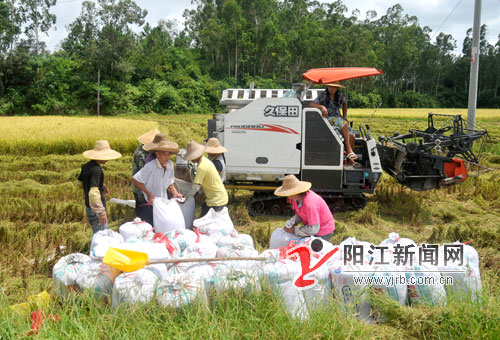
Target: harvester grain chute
point(271, 133)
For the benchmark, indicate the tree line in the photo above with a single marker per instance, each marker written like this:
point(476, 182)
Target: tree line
point(227, 44)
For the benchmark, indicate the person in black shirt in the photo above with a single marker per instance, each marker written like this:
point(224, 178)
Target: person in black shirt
point(92, 178)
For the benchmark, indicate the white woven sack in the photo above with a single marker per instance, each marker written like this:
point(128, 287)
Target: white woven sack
point(66, 271)
point(433, 294)
point(135, 229)
point(135, 287)
point(167, 215)
point(466, 277)
point(397, 291)
point(353, 298)
point(205, 248)
point(179, 290)
point(215, 222)
point(236, 238)
point(280, 238)
point(98, 278)
point(184, 237)
point(101, 241)
point(281, 276)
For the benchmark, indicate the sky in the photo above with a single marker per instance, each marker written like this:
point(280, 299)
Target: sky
point(449, 16)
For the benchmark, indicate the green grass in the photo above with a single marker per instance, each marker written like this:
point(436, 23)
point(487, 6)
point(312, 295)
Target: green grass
point(42, 209)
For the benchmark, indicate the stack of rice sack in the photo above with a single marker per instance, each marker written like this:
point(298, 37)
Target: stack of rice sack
point(174, 284)
point(177, 284)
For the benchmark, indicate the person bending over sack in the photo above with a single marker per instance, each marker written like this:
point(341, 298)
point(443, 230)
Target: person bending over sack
point(310, 209)
point(206, 175)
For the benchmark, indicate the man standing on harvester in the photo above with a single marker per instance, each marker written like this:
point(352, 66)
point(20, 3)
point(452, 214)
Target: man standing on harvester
point(208, 177)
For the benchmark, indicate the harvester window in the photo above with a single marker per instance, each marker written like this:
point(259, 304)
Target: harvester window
point(241, 93)
point(274, 94)
point(263, 94)
point(252, 94)
point(321, 146)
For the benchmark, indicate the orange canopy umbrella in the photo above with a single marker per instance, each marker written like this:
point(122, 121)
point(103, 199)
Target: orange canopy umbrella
point(330, 75)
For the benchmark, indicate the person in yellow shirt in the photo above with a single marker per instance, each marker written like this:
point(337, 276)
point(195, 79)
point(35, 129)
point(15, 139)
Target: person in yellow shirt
point(207, 177)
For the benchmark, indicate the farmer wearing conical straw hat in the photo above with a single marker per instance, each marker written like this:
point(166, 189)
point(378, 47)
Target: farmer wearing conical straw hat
point(309, 208)
point(208, 177)
point(156, 177)
point(140, 159)
point(92, 178)
point(216, 154)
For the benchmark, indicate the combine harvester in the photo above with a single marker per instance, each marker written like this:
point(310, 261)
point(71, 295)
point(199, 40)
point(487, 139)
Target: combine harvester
point(271, 133)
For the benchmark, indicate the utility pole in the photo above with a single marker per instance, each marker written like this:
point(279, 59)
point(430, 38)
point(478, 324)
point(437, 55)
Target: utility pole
point(474, 67)
point(98, 91)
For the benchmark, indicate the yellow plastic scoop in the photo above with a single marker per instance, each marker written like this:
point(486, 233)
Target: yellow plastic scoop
point(129, 260)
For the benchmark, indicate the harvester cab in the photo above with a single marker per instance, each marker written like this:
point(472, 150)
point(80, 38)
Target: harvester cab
point(271, 133)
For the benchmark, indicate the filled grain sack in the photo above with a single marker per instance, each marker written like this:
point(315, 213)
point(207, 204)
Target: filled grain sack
point(180, 289)
point(184, 237)
point(281, 238)
point(353, 296)
point(236, 238)
point(137, 229)
point(388, 279)
point(205, 248)
point(66, 271)
point(171, 245)
point(424, 285)
point(167, 215)
point(101, 241)
point(465, 276)
point(98, 278)
point(137, 287)
point(215, 224)
point(281, 275)
point(230, 276)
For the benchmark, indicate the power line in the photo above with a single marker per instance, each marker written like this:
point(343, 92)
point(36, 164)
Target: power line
point(449, 15)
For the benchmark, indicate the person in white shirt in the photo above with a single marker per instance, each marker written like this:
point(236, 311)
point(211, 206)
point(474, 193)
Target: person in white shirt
point(156, 178)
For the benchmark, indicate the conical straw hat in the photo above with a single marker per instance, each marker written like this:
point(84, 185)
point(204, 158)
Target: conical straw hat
point(335, 84)
point(194, 150)
point(292, 186)
point(166, 145)
point(148, 136)
point(102, 152)
point(213, 146)
point(154, 142)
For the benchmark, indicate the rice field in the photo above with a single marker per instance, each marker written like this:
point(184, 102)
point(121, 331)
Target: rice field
point(43, 209)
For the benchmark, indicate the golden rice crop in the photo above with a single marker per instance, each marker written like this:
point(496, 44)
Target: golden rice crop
point(405, 113)
point(68, 135)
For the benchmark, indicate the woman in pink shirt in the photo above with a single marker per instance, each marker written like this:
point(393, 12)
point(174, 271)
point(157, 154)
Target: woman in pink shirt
point(309, 208)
